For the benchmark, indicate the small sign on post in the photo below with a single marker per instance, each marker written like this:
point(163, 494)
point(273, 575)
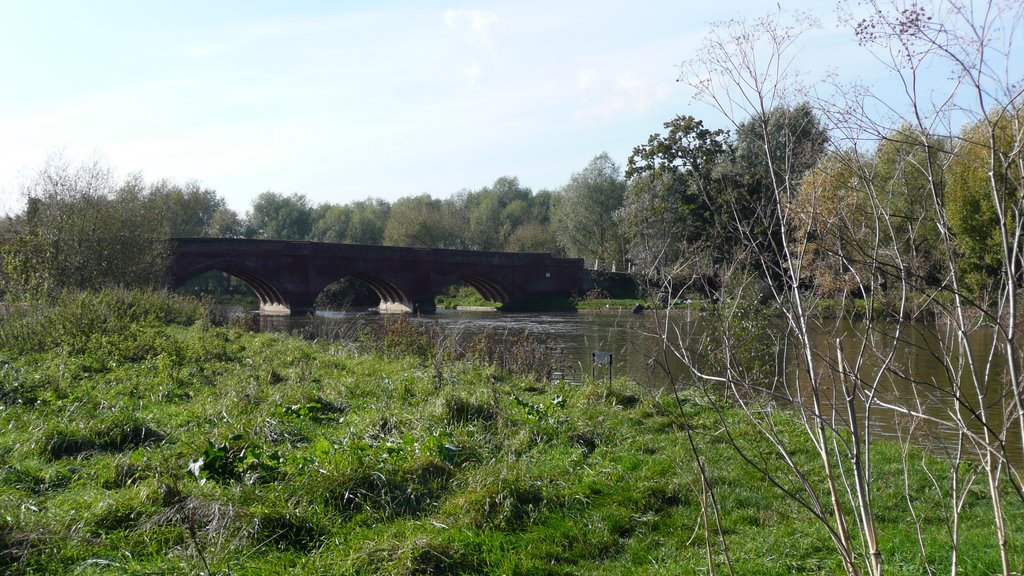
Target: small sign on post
point(600, 359)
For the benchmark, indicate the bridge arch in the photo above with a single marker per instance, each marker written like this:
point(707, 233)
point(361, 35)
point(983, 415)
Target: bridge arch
point(391, 296)
point(490, 289)
point(270, 296)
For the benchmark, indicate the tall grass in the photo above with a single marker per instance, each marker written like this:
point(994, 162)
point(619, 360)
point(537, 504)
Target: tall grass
point(516, 353)
point(76, 317)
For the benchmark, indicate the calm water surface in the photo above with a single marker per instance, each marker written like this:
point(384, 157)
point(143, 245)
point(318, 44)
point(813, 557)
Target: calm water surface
point(572, 336)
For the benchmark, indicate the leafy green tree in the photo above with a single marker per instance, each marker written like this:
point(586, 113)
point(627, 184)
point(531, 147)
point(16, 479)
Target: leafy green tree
point(82, 230)
point(532, 237)
point(420, 221)
point(774, 149)
point(278, 217)
point(331, 223)
point(527, 226)
point(688, 147)
point(780, 146)
point(494, 212)
point(540, 207)
point(654, 219)
point(225, 223)
point(985, 170)
point(829, 218)
point(359, 222)
point(683, 192)
point(882, 200)
point(584, 220)
point(186, 211)
point(369, 219)
point(908, 167)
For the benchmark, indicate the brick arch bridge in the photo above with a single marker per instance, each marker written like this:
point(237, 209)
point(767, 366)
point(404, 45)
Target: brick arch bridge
point(287, 276)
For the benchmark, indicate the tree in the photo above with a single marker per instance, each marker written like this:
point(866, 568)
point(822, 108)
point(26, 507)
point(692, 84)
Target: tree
point(976, 206)
point(531, 237)
point(831, 209)
point(898, 166)
point(278, 217)
point(225, 223)
point(185, 211)
point(493, 212)
point(654, 217)
point(420, 221)
point(584, 211)
point(82, 230)
point(369, 220)
point(678, 199)
point(331, 223)
point(540, 207)
point(780, 144)
point(775, 147)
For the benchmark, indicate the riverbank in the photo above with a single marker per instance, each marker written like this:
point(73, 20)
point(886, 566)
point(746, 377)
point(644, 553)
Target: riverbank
point(139, 438)
point(611, 305)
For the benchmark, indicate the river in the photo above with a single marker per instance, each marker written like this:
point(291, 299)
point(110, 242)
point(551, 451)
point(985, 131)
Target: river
point(635, 352)
point(573, 337)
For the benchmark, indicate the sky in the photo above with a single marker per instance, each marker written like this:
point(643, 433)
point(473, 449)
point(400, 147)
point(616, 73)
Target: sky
point(341, 101)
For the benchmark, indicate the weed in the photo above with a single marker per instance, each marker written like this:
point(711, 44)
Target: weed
point(67, 443)
point(318, 410)
point(236, 460)
point(76, 317)
point(285, 530)
point(459, 410)
point(587, 440)
point(502, 501)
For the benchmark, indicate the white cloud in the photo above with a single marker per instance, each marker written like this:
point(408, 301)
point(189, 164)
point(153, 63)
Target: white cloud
point(477, 24)
point(475, 31)
point(624, 92)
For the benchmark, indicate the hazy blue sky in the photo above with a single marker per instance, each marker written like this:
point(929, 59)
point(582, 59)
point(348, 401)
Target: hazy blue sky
point(344, 100)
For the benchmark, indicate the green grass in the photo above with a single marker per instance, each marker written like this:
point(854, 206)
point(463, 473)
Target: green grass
point(160, 444)
point(457, 296)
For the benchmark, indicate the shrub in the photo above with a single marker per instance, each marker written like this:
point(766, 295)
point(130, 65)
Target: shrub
point(76, 317)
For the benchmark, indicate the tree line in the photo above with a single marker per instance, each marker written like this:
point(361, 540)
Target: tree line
point(689, 202)
point(83, 228)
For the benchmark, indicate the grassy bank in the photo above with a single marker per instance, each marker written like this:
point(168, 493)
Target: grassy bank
point(153, 442)
point(456, 296)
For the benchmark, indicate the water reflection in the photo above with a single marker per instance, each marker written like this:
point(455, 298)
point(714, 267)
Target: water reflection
point(572, 336)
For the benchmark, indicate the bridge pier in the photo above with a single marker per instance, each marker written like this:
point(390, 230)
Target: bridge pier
point(419, 307)
point(275, 309)
point(291, 304)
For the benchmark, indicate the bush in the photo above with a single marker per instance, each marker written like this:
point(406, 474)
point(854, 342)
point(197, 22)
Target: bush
point(75, 317)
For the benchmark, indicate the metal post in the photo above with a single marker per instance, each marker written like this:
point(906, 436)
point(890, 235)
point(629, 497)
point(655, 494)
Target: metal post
point(601, 359)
